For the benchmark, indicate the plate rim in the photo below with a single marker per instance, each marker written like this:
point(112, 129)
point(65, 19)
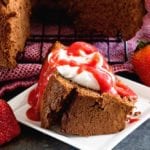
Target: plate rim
point(66, 139)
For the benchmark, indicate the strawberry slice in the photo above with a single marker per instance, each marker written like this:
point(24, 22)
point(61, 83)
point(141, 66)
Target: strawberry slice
point(9, 127)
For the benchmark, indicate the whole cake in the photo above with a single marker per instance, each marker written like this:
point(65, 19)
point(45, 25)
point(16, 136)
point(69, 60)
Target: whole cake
point(103, 17)
point(108, 17)
point(78, 91)
point(14, 29)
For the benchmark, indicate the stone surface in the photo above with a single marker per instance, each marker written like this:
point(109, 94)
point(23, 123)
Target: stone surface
point(137, 140)
point(31, 139)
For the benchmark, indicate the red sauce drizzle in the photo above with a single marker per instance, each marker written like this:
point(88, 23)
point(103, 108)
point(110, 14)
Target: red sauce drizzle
point(104, 79)
point(132, 120)
point(36, 94)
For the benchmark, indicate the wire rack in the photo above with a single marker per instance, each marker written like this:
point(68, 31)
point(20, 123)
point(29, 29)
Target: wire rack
point(50, 33)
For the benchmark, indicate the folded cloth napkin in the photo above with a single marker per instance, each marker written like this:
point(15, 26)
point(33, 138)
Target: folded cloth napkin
point(27, 71)
point(30, 61)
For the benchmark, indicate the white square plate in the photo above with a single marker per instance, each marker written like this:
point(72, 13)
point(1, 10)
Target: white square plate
point(105, 142)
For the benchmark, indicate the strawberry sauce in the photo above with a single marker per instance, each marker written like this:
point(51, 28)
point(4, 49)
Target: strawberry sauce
point(97, 66)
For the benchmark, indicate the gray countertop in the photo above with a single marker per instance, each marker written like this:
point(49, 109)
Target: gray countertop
point(137, 140)
point(33, 140)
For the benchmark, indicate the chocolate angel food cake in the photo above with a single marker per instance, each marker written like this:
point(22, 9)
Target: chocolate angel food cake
point(78, 91)
point(14, 29)
point(103, 17)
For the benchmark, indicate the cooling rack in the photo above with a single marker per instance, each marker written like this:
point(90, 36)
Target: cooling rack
point(54, 25)
point(49, 33)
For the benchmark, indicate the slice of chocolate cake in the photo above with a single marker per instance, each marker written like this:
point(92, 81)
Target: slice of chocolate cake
point(81, 111)
point(78, 91)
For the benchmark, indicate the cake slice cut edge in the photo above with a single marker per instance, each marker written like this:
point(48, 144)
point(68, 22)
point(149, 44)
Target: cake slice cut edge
point(81, 111)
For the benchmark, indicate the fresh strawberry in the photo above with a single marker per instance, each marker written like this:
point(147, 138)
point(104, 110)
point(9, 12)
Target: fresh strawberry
point(141, 63)
point(9, 127)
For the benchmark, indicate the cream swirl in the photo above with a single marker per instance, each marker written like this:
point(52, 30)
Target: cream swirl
point(76, 69)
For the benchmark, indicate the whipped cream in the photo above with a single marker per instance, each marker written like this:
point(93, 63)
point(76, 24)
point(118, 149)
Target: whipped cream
point(84, 78)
